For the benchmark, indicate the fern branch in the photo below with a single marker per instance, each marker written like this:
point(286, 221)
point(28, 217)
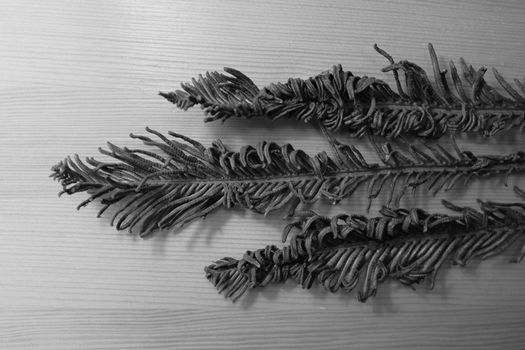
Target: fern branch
point(341, 101)
point(182, 180)
point(352, 251)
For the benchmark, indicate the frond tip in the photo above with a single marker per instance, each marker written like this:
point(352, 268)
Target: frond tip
point(350, 252)
point(341, 101)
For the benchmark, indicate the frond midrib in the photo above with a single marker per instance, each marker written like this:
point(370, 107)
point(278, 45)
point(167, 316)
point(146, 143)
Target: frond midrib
point(373, 244)
point(356, 173)
point(454, 109)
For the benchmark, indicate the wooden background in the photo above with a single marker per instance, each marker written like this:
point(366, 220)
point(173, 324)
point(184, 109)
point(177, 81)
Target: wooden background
point(75, 74)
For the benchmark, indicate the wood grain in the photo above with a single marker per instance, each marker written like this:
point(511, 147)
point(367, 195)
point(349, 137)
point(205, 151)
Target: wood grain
point(75, 74)
point(227, 329)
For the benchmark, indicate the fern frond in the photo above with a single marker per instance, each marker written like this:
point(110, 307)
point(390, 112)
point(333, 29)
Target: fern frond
point(182, 180)
point(352, 251)
point(341, 101)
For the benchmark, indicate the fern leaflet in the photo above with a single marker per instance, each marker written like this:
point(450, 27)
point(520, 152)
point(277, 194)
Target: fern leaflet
point(341, 101)
point(352, 251)
point(183, 180)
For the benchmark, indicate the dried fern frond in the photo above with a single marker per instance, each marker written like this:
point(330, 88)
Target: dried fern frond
point(351, 251)
point(341, 101)
point(183, 181)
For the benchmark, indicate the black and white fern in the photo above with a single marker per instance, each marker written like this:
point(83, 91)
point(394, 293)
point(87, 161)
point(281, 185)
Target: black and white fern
point(182, 180)
point(341, 101)
point(352, 251)
point(179, 180)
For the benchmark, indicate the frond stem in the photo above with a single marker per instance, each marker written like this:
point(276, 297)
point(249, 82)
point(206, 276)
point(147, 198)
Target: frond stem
point(366, 173)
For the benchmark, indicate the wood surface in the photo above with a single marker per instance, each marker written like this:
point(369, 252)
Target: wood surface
point(75, 74)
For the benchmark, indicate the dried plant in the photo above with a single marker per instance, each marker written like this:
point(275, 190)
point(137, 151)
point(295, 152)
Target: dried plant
point(341, 101)
point(351, 251)
point(182, 181)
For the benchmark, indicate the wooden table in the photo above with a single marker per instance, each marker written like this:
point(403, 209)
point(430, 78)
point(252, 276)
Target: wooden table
point(76, 74)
